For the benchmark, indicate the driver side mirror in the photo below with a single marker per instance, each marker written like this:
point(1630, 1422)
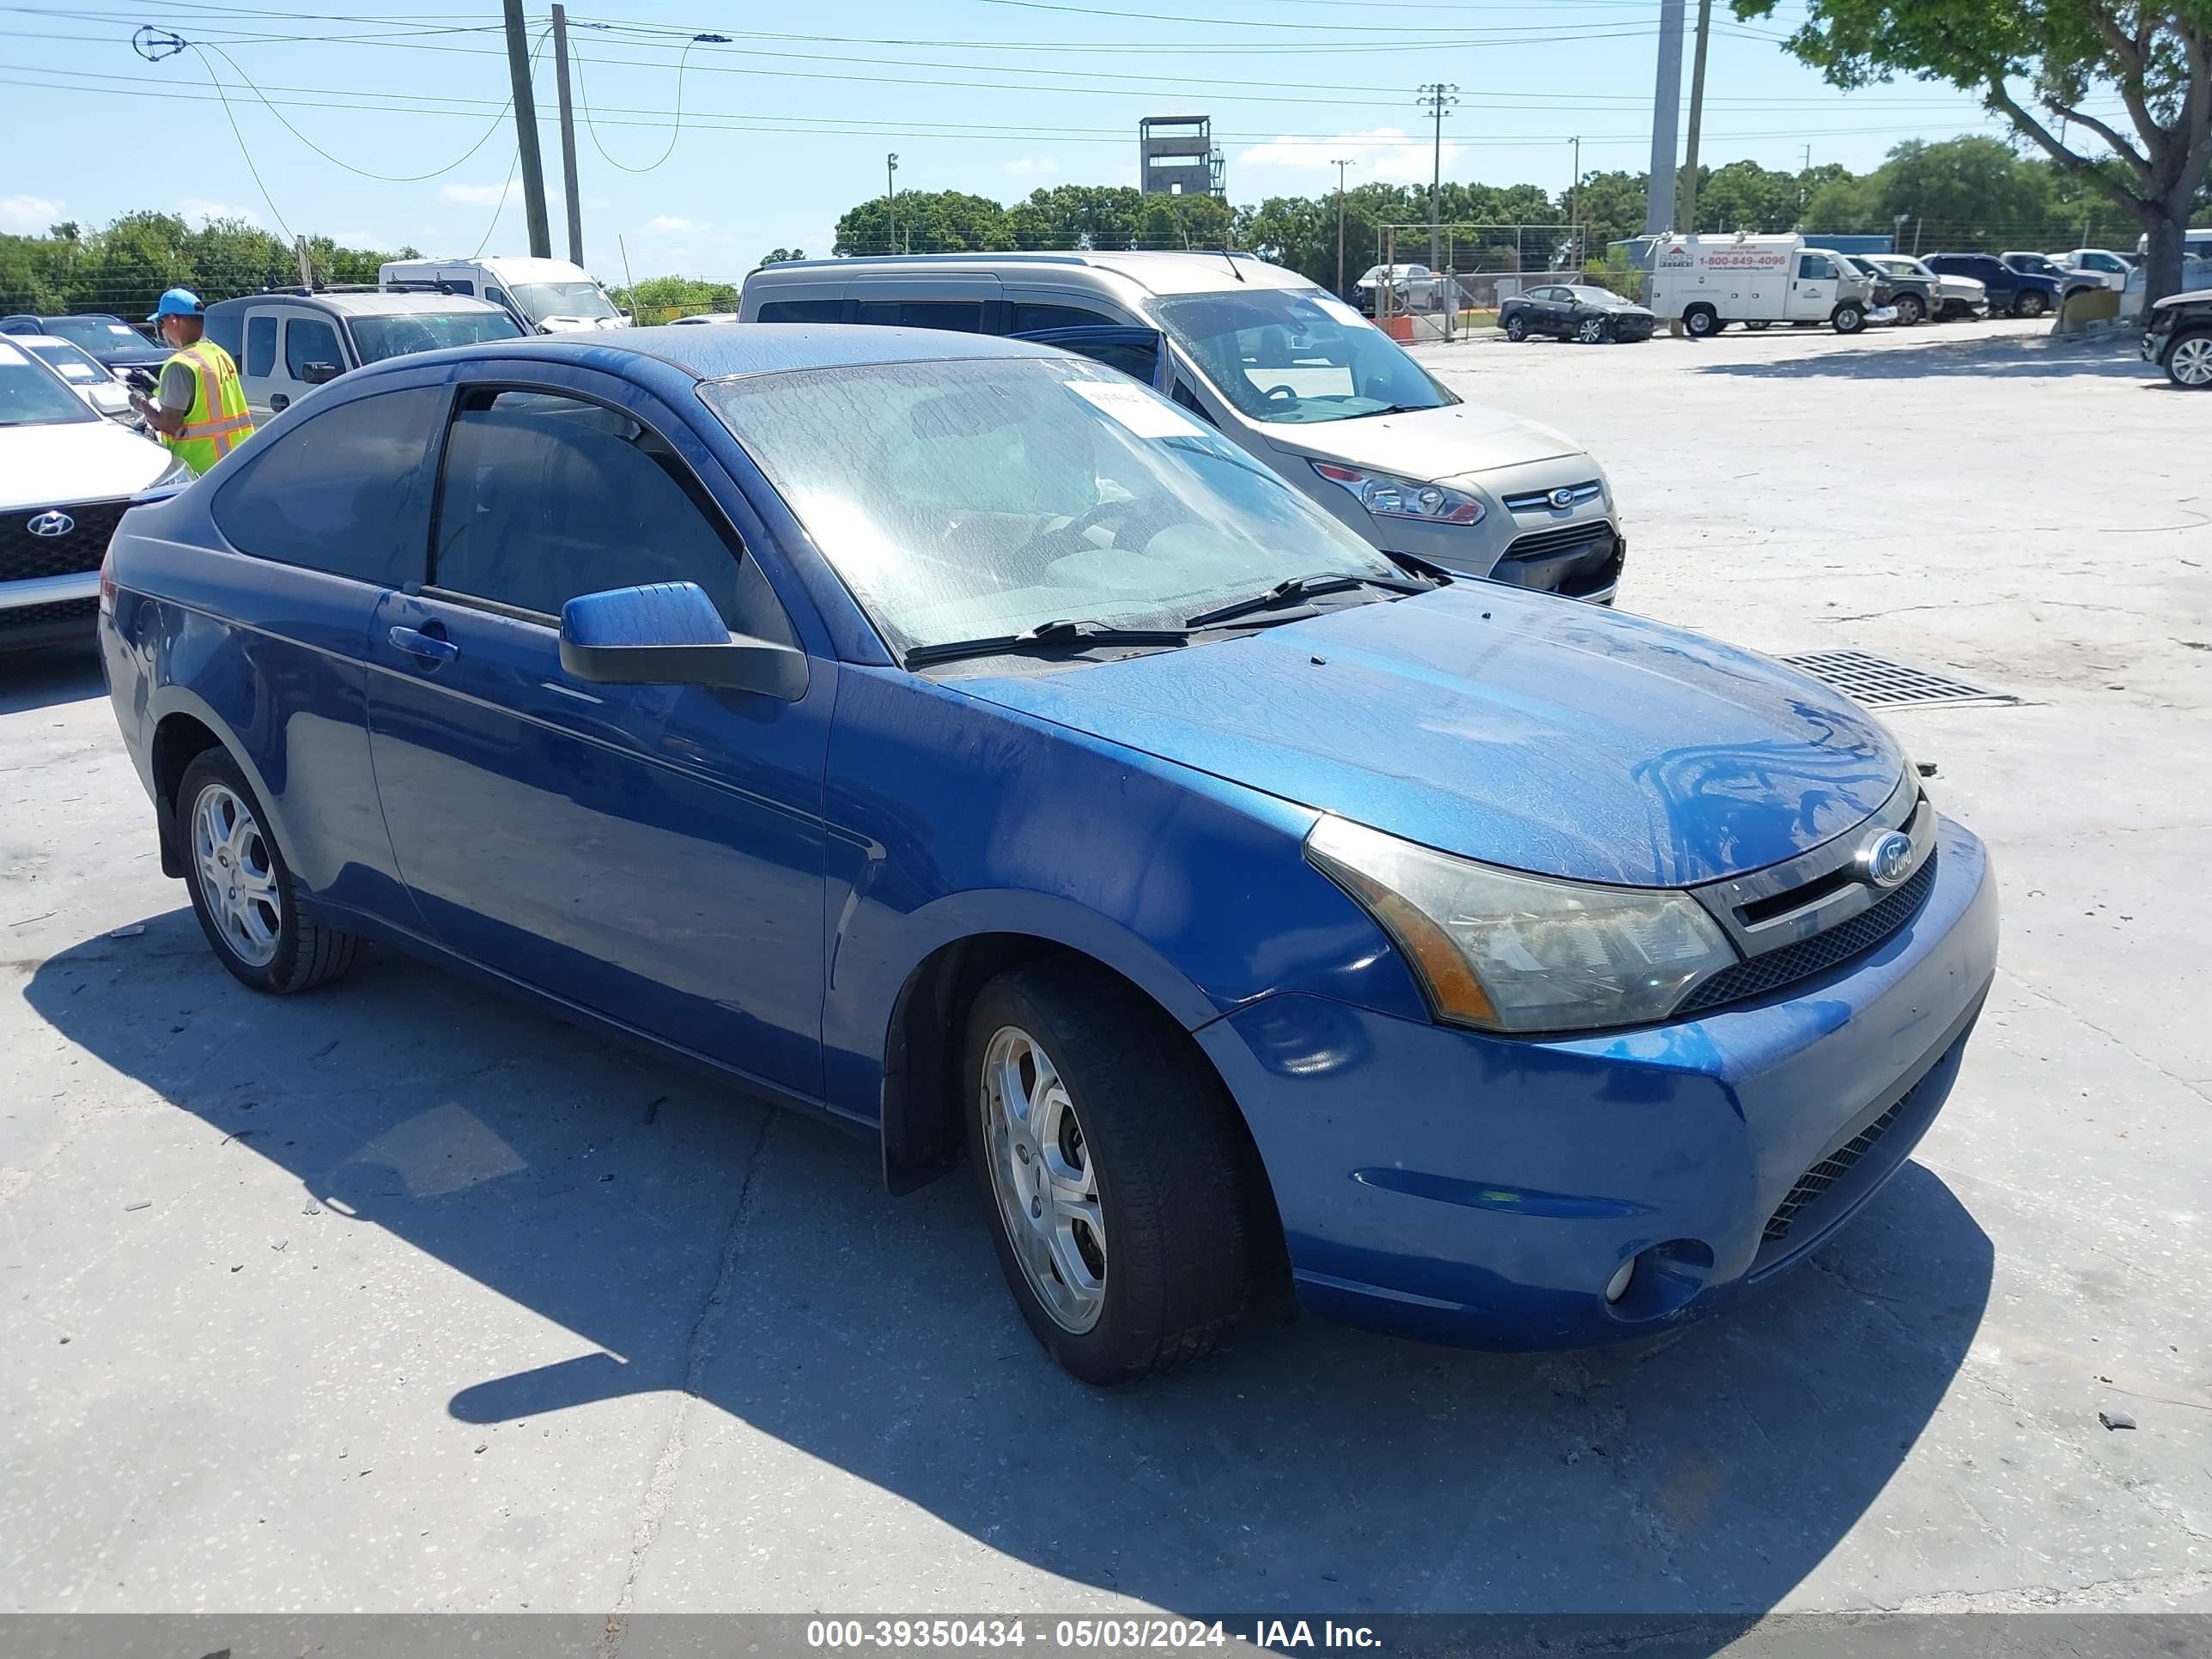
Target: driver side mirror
point(319, 374)
point(669, 633)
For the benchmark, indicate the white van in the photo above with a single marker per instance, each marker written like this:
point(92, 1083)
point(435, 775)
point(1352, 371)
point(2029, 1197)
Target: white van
point(1706, 282)
point(550, 296)
point(1284, 369)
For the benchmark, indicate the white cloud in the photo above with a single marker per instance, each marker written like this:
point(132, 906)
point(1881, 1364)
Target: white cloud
point(1032, 166)
point(29, 214)
point(670, 224)
point(200, 210)
point(1389, 155)
point(473, 195)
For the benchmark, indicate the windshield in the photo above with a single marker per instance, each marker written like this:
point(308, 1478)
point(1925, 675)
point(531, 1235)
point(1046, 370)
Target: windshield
point(71, 364)
point(1597, 296)
point(539, 301)
point(30, 396)
point(1295, 356)
point(969, 498)
point(378, 338)
point(96, 333)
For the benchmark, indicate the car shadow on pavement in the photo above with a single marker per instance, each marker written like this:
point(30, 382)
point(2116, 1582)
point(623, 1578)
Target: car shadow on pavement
point(694, 1242)
point(1998, 358)
point(45, 677)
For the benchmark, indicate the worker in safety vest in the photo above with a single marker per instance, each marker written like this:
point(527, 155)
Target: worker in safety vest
point(199, 411)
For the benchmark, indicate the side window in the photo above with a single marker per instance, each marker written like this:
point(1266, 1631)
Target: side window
point(801, 310)
point(1138, 362)
point(547, 497)
point(260, 345)
point(347, 492)
point(309, 340)
point(460, 285)
point(497, 296)
point(227, 329)
point(1814, 267)
point(1028, 318)
point(1182, 394)
point(961, 316)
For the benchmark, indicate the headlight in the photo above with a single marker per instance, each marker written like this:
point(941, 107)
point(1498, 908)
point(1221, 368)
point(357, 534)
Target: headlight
point(1509, 952)
point(1387, 497)
point(178, 472)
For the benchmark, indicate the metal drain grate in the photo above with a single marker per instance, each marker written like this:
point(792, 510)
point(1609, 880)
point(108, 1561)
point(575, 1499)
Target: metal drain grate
point(1875, 680)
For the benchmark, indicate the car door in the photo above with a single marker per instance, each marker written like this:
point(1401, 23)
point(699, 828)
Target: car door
point(1813, 281)
point(258, 371)
point(652, 853)
point(310, 338)
point(1135, 351)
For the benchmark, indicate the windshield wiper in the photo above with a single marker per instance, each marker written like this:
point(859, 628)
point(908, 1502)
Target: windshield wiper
point(1298, 588)
point(1063, 634)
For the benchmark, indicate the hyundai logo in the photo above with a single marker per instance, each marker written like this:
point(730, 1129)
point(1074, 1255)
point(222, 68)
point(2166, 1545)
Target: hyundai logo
point(1887, 859)
point(1563, 498)
point(52, 524)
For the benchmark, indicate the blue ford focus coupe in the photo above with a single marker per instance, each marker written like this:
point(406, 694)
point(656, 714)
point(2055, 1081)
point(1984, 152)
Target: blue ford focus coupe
point(950, 737)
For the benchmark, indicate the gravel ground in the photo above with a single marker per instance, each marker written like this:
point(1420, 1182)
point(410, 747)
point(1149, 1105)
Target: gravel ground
point(403, 1297)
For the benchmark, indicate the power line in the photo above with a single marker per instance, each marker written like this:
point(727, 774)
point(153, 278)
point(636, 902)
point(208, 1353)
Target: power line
point(584, 98)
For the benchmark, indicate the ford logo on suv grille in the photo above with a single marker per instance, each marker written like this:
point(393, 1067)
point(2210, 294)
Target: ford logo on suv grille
point(1887, 859)
point(1562, 497)
point(52, 524)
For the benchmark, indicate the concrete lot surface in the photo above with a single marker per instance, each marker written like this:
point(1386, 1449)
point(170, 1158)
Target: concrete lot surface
point(399, 1295)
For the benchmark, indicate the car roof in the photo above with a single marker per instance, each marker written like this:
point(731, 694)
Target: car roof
point(717, 351)
point(1158, 270)
point(48, 340)
point(374, 303)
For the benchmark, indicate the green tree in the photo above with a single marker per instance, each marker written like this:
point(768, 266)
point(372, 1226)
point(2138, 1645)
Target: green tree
point(2057, 55)
point(780, 256)
point(944, 221)
point(1611, 205)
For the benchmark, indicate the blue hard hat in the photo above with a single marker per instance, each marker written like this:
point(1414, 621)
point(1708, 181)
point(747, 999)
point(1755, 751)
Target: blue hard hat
point(178, 302)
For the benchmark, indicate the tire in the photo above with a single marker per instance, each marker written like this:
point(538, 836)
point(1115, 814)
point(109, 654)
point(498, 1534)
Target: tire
point(2189, 361)
point(1847, 319)
point(2031, 303)
point(265, 937)
point(1701, 322)
point(1756, 326)
point(1516, 329)
point(1912, 310)
point(1159, 1256)
point(1593, 331)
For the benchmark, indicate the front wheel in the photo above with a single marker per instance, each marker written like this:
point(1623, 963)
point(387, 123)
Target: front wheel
point(1109, 1169)
point(2189, 362)
point(1848, 319)
point(1592, 330)
point(2032, 303)
point(1516, 329)
point(242, 889)
point(1911, 309)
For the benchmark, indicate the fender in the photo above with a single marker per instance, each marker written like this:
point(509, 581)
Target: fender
point(168, 699)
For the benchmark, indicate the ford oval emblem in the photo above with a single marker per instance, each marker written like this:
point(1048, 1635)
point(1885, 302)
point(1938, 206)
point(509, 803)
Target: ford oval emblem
point(1563, 498)
point(52, 524)
point(1887, 859)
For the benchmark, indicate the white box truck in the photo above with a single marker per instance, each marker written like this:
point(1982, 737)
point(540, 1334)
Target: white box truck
point(547, 297)
point(1709, 281)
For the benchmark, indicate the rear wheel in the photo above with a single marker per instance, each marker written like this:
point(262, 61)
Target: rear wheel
point(1109, 1169)
point(2031, 303)
point(2189, 361)
point(242, 889)
point(1703, 322)
point(1755, 326)
point(1911, 309)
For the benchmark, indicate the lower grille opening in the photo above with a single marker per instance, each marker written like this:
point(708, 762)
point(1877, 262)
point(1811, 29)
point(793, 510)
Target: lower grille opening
point(1828, 1172)
point(35, 616)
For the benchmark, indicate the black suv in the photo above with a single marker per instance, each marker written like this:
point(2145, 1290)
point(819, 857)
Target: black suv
point(2178, 338)
point(112, 341)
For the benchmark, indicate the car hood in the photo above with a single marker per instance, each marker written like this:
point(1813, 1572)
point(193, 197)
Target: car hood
point(1425, 444)
point(88, 460)
point(1537, 733)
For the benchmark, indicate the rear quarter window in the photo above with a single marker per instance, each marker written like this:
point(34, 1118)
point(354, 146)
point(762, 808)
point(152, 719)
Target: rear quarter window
point(347, 492)
point(801, 310)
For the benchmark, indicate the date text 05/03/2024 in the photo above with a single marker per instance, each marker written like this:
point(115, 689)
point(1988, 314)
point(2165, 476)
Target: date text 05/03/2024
point(1129, 1633)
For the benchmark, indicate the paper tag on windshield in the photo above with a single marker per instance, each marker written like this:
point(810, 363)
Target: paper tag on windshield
point(1138, 409)
point(1341, 312)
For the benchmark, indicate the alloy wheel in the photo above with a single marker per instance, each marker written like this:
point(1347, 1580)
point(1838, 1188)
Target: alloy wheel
point(2190, 363)
point(1044, 1180)
point(238, 878)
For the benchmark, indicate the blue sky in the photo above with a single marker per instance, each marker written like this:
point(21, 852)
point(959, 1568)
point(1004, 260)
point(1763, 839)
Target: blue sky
point(788, 123)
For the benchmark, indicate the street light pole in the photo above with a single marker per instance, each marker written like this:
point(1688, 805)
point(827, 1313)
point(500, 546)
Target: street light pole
point(1339, 167)
point(890, 195)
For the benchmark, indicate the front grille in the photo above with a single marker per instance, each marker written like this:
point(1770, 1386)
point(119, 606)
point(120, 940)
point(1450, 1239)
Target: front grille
point(34, 615)
point(1828, 1172)
point(1540, 501)
point(23, 555)
point(1816, 955)
point(1572, 559)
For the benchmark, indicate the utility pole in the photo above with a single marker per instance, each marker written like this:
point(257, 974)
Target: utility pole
point(525, 134)
point(306, 266)
point(890, 196)
point(567, 136)
point(1436, 97)
point(1696, 117)
point(1575, 205)
point(1339, 167)
point(1666, 110)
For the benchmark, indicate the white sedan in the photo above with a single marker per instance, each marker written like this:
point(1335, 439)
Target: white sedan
point(86, 375)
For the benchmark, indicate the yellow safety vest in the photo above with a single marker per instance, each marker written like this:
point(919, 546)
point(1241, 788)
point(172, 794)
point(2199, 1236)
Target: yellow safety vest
point(218, 421)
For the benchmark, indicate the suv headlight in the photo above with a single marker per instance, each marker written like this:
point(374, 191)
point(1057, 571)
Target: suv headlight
point(1387, 497)
point(1503, 952)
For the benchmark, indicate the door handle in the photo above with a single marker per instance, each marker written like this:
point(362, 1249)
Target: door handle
point(428, 646)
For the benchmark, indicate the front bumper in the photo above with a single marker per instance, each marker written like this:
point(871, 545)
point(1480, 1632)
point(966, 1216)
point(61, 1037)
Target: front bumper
point(1482, 1190)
